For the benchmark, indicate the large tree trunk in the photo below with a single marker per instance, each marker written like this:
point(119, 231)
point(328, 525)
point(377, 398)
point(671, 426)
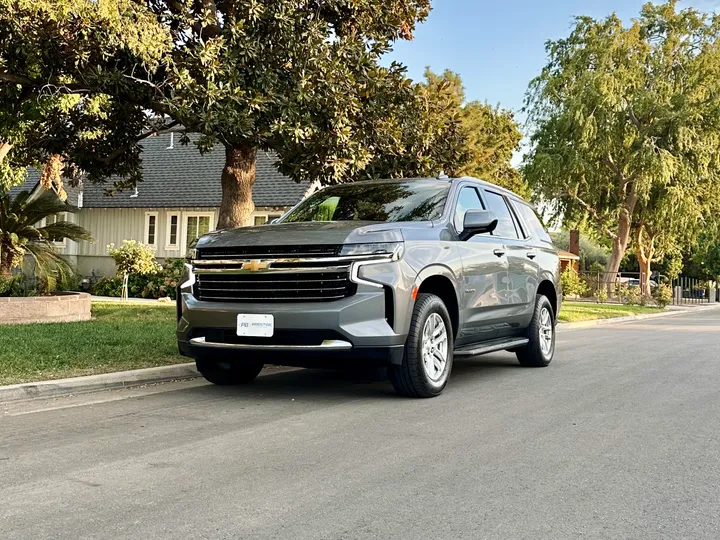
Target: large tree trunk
point(238, 178)
point(620, 242)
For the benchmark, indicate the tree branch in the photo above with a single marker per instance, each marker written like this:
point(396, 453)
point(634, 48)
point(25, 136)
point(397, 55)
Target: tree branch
point(601, 222)
point(137, 139)
point(62, 88)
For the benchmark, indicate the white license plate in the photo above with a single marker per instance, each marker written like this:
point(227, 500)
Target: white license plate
point(255, 325)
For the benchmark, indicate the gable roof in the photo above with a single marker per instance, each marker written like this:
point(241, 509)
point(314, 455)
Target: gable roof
point(178, 176)
point(32, 181)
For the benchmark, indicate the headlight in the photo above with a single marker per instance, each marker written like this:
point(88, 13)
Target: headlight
point(380, 248)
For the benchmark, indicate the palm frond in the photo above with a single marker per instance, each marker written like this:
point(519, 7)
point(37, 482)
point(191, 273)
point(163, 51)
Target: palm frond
point(64, 229)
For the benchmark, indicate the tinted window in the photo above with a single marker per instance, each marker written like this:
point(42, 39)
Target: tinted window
point(532, 221)
point(468, 200)
point(384, 201)
point(506, 226)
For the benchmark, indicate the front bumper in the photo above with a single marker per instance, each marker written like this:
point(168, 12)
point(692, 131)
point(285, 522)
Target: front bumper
point(355, 327)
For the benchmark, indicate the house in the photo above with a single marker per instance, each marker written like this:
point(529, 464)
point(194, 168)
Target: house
point(177, 201)
point(568, 259)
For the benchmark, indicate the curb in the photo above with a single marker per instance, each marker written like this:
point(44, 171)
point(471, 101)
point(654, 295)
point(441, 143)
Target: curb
point(631, 318)
point(92, 383)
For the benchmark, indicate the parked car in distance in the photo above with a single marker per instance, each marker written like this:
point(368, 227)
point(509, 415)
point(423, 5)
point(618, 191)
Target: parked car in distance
point(407, 274)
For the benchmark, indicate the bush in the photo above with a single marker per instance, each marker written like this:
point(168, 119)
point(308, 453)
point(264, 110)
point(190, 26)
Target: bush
point(134, 258)
point(159, 285)
point(629, 296)
point(662, 295)
point(601, 294)
point(108, 287)
point(572, 284)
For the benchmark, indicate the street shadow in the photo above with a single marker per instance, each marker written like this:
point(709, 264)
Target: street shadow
point(339, 385)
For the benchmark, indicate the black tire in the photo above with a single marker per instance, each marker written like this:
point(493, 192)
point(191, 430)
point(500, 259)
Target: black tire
point(532, 354)
point(228, 373)
point(411, 379)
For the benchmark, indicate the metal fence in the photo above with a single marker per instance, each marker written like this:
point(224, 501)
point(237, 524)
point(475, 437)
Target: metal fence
point(618, 285)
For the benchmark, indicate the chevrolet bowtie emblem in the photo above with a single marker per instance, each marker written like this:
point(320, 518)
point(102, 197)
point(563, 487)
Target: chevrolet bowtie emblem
point(255, 265)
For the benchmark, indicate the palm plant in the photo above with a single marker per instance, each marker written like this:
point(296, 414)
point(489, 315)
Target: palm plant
point(21, 234)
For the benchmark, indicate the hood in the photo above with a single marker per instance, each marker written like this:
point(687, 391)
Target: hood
point(309, 233)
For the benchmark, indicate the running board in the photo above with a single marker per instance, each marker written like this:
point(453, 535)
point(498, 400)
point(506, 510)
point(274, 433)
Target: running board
point(491, 346)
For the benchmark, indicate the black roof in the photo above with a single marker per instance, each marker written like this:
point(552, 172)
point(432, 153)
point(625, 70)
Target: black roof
point(178, 176)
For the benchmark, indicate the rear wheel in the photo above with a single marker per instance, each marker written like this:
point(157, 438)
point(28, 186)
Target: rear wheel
point(541, 348)
point(428, 357)
point(228, 373)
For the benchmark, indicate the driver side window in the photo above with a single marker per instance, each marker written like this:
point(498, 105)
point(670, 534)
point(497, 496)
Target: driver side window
point(468, 200)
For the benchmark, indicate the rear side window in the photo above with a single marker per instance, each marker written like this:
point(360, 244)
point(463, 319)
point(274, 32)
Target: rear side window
point(532, 221)
point(506, 226)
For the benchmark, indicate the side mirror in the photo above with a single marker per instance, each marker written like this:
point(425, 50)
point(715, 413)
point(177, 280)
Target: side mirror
point(478, 222)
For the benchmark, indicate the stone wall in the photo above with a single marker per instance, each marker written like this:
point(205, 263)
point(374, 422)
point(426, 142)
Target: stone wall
point(63, 307)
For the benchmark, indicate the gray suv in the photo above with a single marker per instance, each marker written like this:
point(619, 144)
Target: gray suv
point(407, 274)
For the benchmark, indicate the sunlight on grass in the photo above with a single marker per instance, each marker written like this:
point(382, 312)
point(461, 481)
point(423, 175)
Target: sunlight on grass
point(586, 311)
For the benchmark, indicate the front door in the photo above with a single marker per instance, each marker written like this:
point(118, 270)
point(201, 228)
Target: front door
point(523, 268)
point(485, 276)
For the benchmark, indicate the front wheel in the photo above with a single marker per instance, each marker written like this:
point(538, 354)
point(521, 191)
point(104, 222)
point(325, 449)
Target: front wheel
point(230, 373)
point(428, 357)
point(541, 348)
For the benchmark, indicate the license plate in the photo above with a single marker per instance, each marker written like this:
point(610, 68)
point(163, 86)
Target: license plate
point(255, 325)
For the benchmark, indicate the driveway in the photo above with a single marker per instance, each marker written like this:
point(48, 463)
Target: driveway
point(618, 438)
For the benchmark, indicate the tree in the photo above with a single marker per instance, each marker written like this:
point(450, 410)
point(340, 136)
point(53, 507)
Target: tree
point(68, 85)
point(300, 78)
point(20, 235)
point(486, 138)
point(627, 122)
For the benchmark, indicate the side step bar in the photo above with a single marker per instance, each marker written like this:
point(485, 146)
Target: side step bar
point(491, 346)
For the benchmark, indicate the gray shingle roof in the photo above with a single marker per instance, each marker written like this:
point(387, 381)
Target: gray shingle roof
point(182, 177)
point(32, 180)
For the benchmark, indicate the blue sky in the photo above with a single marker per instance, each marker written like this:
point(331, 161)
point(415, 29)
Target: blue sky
point(498, 46)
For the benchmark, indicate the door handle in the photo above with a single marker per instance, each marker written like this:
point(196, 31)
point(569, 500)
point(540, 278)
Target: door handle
point(499, 252)
point(531, 254)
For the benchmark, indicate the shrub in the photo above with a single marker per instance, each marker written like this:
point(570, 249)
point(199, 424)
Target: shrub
point(572, 284)
point(165, 282)
point(134, 258)
point(601, 294)
point(629, 296)
point(662, 295)
point(108, 287)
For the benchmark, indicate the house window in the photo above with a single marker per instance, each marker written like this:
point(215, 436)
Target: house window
point(151, 228)
point(173, 232)
point(260, 220)
point(196, 225)
point(50, 220)
point(273, 217)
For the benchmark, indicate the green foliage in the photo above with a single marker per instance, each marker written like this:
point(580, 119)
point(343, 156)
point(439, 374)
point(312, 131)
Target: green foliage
point(69, 72)
point(601, 294)
point(626, 127)
point(630, 296)
point(572, 283)
point(593, 255)
point(662, 295)
point(22, 238)
point(158, 285)
point(134, 258)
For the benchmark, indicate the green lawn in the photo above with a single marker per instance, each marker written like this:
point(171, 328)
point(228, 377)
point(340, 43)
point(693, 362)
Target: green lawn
point(586, 311)
point(119, 337)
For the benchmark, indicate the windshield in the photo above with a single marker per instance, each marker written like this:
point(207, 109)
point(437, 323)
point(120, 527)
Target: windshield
point(406, 201)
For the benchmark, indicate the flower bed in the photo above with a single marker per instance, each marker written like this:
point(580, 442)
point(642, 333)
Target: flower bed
point(61, 307)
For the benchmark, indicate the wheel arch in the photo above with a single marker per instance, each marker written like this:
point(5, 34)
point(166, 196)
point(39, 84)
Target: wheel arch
point(441, 281)
point(547, 289)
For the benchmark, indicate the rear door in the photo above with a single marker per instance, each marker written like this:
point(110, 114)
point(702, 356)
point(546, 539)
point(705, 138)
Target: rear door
point(523, 268)
point(485, 274)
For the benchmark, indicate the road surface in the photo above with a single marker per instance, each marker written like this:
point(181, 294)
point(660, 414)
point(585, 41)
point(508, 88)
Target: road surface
point(618, 438)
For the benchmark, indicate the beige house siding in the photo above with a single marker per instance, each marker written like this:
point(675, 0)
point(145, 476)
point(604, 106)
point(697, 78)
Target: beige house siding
point(113, 225)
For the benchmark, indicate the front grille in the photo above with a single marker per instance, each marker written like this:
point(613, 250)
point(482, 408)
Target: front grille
point(271, 252)
point(269, 286)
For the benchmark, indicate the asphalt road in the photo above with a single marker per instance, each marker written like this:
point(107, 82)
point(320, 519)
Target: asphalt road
point(618, 438)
